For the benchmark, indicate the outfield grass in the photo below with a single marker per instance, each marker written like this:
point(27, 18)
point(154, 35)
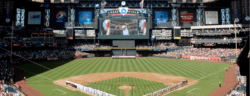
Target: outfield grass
point(141, 86)
point(208, 74)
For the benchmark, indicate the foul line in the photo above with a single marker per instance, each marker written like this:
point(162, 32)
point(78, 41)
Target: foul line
point(208, 76)
point(191, 90)
point(211, 74)
point(61, 91)
point(25, 58)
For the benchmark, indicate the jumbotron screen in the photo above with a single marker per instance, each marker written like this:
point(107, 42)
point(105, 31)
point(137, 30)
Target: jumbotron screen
point(125, 28)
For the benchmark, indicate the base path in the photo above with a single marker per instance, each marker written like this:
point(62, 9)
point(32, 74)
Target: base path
point(90, 78)
point(126, 88)
point(28, 89)
point(230, 81)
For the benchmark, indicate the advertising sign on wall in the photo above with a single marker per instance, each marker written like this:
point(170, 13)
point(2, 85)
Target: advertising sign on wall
point(161, 17)
point(34, 17)
point(60, 18)
point(85, 17)
point(187, 17)
point(211, 17)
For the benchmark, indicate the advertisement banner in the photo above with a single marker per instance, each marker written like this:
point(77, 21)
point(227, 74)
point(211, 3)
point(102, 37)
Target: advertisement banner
point(203, 58)
point(34, 18)
point(60, 18)
point(187, 17)
point(51, 58)
point(161, 17)
point(85, 17)
point(211, 17)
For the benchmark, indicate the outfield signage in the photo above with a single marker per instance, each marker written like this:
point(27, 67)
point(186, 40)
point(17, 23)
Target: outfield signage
point(201, 58)
point(211, 17)
point(187, 17)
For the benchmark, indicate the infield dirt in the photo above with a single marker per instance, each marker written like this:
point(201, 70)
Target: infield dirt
point(90, 78)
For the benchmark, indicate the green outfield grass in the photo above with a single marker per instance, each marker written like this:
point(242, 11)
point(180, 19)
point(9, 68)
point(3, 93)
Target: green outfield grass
point(141, 86)
point(208, 74)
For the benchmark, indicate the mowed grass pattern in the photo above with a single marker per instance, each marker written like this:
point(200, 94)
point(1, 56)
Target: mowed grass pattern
point(141, 86)
point(208, 74)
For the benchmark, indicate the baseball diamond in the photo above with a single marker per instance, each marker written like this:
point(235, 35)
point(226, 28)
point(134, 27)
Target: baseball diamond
point(42, 80)
point(124, 47)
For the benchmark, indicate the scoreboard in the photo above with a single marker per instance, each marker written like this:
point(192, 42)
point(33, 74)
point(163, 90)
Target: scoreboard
point(177, 33)
point(8, 8)
point(1, 9)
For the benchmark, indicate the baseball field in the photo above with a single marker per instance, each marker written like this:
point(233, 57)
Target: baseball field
point(117, 75)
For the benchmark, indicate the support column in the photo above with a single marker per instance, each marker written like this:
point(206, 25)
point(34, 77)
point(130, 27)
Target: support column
point(200, 15)
point(175, 14)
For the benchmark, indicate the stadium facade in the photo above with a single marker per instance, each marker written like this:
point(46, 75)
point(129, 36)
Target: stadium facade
point(129, 29)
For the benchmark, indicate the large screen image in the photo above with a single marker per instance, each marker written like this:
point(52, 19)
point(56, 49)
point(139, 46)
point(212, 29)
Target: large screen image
point(124, 27)
point(34, 18)
point(161, 17)
point(60, 18)
point(85, 17)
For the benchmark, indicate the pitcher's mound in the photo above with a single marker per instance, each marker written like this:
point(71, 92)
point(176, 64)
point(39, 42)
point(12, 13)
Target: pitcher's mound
point(126, 87)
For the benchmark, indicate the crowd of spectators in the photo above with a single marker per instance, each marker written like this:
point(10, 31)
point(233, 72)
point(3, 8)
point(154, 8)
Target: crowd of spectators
point(105, 46)
point(7, 72)
point(217, 40)
point(43, 54)
point(143, 46)
point(83, 45)
point(223, 30)
point(7, 86)
point(43, 39)
point(240, 88)
point(207, 52)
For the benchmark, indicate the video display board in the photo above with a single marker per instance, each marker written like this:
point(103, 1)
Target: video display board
point(8, 9)
point(90, 33)
point(59, 33)
point(59, 17)
point(1, 9)
point(245, 10)
point(212, 17)
point(188, 18)
point(85, 17)
point(34, 17)
point(79, 33)
point(162, 18)
point(123, 28)
point(236, 10)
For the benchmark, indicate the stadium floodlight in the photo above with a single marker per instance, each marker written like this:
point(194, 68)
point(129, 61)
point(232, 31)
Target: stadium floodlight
point(123, 3)
point(236, 20)
point(247, 18)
